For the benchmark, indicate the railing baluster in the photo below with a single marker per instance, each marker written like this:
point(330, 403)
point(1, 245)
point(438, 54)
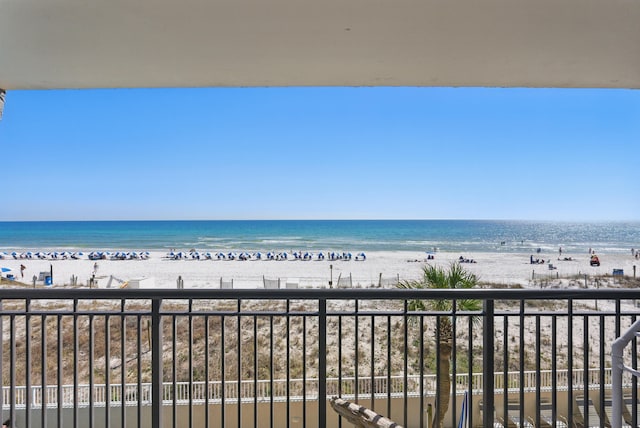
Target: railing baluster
point(156, 363)
point(60, 375)
point(123, 364)
point(322, 363)
point(27, 360)
point(43, 373)
point(488, 358)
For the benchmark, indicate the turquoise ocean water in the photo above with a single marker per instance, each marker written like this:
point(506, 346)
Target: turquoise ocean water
point(351, 235)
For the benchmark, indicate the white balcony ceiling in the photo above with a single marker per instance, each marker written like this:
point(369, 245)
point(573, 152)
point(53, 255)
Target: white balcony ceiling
point(199, 43)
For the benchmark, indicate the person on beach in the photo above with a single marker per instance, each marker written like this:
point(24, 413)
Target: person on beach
point(95, 268)
point(560, 251)
point(22, 269)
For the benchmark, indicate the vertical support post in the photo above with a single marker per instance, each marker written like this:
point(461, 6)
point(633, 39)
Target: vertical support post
point(487, 364)
point(322, 363)
point(616, 384)
point(617, 367)
point(156, 364)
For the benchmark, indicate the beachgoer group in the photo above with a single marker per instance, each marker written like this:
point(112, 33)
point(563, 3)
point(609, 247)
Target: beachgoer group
point(535, 261)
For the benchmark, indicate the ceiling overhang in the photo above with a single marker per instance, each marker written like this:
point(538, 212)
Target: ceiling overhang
point(46, 44)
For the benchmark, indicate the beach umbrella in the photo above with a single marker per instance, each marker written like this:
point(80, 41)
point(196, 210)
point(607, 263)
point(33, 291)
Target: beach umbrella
point(6, 269)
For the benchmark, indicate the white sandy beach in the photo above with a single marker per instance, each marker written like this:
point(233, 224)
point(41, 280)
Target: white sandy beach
point(500, 268)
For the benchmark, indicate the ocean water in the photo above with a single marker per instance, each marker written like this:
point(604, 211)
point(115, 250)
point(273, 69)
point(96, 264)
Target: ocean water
point(315, 235)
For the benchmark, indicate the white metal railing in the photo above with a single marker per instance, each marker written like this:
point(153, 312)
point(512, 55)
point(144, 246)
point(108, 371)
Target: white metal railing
point(263, 390)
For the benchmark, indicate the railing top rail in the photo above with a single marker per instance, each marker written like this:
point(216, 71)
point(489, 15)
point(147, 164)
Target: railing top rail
point(319, 294)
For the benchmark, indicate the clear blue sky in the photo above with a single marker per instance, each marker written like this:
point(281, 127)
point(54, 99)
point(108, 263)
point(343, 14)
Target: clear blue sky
point(334, 153)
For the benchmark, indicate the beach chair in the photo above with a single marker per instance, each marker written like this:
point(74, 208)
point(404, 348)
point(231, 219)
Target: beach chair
point(546, 417)
point(501, 423)
point(226, 284)
point(514, 420)
point(497, 422)
point(582, 407)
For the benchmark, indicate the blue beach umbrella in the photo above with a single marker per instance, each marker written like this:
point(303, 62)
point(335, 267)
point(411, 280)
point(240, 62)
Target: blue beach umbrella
point(6, 269)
